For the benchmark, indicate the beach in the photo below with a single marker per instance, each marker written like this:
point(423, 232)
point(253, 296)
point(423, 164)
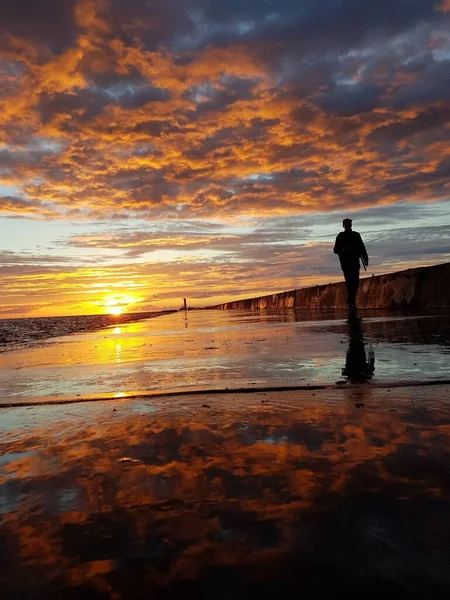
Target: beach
point(173, 490)
point(215, 350)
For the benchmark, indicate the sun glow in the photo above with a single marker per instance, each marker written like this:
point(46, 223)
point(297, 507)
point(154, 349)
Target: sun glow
point(118, 304)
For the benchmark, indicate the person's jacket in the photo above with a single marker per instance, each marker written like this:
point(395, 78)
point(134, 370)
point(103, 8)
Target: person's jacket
point(350, 248)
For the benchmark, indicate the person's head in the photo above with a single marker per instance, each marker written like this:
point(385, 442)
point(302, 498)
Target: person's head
point(347, 224)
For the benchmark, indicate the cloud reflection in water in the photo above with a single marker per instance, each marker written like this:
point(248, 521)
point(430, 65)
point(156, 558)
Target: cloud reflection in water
point(257, 495)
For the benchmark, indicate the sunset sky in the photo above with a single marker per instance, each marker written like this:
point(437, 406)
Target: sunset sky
point(152, 150)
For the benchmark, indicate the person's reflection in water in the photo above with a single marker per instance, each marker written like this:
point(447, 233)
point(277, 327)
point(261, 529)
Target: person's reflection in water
point(358, 368)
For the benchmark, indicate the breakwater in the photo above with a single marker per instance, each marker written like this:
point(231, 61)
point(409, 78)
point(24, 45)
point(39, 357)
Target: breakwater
point(424, 287)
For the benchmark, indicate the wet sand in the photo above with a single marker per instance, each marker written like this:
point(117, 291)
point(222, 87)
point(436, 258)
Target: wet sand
point(270, 495)
point(212, 350)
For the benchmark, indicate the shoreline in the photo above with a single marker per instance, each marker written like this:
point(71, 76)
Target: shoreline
point(106, 321)
point(342, 386)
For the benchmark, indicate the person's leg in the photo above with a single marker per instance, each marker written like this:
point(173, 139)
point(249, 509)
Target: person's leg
point(348, 284)
point(356, 284)
point(353, 286)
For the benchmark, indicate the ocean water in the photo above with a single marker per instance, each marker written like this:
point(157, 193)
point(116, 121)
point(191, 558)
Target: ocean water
point(220, 350)
point(18, 333)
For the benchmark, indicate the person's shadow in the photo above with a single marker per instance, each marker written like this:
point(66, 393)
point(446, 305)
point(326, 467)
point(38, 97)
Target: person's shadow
point(359, 368)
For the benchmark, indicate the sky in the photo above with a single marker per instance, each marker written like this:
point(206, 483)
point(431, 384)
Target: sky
point(154, 150)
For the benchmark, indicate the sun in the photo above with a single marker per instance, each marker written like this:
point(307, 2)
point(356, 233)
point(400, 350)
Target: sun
point(118, 304)
point(115, 306)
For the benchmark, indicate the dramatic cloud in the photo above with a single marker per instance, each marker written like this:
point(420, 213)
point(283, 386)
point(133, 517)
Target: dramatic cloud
point(227, 113)
point(196, 109)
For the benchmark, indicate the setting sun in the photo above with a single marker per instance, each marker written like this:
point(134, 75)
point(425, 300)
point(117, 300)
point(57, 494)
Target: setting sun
point(118, 304)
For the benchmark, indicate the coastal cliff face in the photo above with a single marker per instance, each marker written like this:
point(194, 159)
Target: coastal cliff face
point(425, 287)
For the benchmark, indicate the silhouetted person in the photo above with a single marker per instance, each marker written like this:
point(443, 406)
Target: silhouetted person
point(350, 248)
point(358, 368)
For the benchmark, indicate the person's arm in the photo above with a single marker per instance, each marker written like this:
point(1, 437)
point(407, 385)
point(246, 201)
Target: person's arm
point(363, 252)
point(338, 245)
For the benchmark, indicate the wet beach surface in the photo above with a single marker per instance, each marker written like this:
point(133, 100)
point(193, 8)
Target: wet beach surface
point(213, 350)
point(266, 495)
point(270, 495)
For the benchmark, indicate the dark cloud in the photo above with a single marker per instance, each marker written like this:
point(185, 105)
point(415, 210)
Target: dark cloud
point(85, 105)
point(49, 22)
point(307, 26)
point(136, 97)
point(434, 117)
point(350, 98)
point(80, 107)
point(154, 22)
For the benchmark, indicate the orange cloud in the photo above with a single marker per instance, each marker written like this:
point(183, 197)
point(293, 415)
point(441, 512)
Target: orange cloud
point(143, 131)
point(87, 15)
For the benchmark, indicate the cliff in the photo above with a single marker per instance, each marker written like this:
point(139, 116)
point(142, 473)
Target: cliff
point(424, 287)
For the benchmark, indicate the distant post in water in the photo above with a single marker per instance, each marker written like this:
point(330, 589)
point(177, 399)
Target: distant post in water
point(184, 303)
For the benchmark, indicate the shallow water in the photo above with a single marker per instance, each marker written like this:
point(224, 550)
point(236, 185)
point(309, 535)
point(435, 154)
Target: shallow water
point(204, 350)
point(275, 496)
point(19, 333)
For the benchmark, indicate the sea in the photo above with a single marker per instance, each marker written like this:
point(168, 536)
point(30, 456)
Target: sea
point(18, 333)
